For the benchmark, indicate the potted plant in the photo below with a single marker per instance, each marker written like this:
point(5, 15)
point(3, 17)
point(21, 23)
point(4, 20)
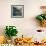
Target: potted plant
point(42, 17)
point(10, 31)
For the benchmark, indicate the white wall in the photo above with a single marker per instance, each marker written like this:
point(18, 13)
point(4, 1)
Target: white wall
point(26, 25)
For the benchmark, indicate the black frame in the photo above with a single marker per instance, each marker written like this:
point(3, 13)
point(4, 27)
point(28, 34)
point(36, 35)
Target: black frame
point(22, 11)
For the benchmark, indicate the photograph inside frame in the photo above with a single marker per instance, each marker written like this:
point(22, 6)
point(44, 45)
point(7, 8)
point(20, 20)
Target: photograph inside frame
point(17, 11)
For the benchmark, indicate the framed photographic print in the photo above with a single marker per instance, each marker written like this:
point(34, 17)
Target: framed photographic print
point(17, 11)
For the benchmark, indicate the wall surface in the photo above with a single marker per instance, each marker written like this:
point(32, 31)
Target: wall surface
point(27, 25)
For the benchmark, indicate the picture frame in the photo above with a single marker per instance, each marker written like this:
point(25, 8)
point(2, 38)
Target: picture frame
point(17, 11)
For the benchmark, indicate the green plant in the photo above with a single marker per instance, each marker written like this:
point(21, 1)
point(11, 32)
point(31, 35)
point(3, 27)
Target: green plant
point(41, 17)
point(11, 31)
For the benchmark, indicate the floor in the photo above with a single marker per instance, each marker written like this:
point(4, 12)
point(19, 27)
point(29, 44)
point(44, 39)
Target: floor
point(30, 45)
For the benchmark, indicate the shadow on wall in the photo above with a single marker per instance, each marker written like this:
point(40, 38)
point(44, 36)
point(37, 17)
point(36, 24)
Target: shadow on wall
point(34, 22)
